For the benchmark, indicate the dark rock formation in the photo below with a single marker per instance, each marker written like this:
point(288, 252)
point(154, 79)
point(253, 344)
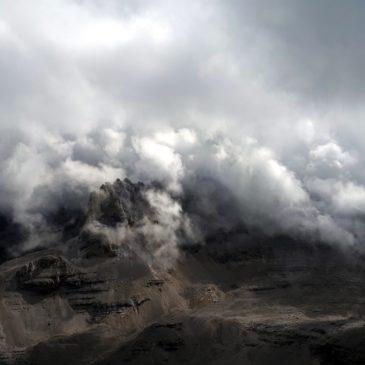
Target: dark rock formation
point(119, 202)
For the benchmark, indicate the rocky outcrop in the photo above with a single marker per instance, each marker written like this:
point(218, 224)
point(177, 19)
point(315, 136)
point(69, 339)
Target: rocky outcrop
point(46, 296)
point(122, 201)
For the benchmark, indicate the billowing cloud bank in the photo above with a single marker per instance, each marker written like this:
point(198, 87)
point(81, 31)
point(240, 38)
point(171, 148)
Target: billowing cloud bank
point(262, 102)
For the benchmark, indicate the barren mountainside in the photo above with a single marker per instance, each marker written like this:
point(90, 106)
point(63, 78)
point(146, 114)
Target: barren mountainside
point(118, 289)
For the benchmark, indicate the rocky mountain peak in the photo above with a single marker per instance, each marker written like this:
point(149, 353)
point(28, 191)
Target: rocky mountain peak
point(120, 202)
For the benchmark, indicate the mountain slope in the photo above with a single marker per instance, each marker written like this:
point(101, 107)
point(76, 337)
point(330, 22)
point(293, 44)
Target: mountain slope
point(104, 296)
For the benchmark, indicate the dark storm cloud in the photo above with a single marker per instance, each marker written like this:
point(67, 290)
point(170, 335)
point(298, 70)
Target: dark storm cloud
point(262, 99)
point(314, 48)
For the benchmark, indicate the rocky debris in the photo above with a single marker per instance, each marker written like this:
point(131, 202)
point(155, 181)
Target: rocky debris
point(44, 275)
point(203, 295)
point(218, 340)
point(152, 345)
point(276, 286)
point(101, 310)
point(178, 326)
point(94, 244)
point(155, 283)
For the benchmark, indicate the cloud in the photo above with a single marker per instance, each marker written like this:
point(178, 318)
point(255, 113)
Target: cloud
point(254, 108)
point(158, 161)
point(329, 160)
point(314, 47)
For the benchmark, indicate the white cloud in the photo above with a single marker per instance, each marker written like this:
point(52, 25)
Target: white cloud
point(159, 162)
point(238, 92)
point(332, 154)
point(90, 176)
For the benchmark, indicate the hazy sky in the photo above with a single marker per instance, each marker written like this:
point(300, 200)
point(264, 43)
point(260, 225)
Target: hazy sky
point(265, 97)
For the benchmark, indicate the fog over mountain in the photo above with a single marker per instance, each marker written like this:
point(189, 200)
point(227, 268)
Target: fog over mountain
point(235, 116)
point(264, 99)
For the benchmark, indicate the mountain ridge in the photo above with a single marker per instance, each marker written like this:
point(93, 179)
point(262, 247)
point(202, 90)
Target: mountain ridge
point(105, 297)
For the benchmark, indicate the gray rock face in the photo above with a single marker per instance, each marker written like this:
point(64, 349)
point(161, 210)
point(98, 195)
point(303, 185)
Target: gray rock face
point(238, 299)
point(119, 202)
